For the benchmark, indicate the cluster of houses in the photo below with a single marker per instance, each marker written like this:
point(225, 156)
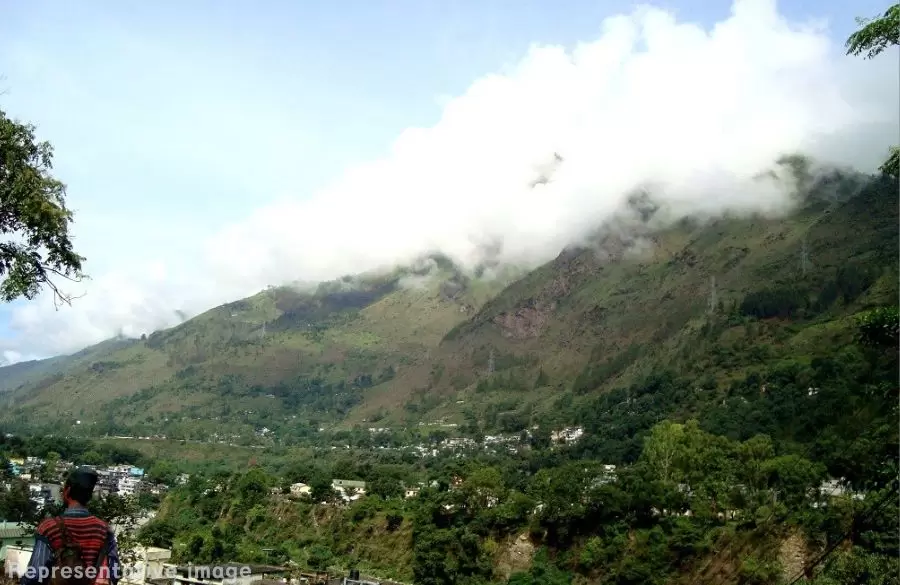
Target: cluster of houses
point(124, 480)
point(491, 443)
point(347, 490)
point(44, 485)
point(567, 435)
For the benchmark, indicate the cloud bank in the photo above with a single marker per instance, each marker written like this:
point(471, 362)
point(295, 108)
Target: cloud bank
point(697, 111)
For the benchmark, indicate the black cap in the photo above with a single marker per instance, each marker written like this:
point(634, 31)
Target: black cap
point(83, 477)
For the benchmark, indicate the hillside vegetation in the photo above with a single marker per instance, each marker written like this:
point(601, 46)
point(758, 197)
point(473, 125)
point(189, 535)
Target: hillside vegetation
point(286, 350)
point(726, 366)
point(717, 301)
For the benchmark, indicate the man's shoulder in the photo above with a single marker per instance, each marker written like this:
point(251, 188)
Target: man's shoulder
point(47, 526)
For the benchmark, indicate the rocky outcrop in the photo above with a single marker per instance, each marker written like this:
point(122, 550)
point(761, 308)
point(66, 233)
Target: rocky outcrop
point(523, 323)
point(516, 557)
point(792, 556)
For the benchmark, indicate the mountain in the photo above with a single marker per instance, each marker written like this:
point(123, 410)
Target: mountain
point(711, 300)
point(335, 339)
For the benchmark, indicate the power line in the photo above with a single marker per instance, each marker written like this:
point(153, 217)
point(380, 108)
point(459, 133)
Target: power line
point(808, 569)
point(845, 451)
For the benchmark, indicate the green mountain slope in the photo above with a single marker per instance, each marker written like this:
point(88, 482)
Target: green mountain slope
point(22, 374)
point(283, 350)
point(710, 300)
point(590, 321)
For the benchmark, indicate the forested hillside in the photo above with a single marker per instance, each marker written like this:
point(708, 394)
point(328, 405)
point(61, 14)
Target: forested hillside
point(727, 368)
point(684, 318)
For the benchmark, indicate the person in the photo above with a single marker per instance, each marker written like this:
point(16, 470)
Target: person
point(92, 535)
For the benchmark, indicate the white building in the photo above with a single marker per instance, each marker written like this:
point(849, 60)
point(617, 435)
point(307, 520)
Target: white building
point(349, 490)
point(128, 486)
point(300, 490)
point(567, 435)
point(149, 564)
point(44, 494)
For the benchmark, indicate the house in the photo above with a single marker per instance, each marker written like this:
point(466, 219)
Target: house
point(45, 494)
point(567, 435)
point(147, 487)
point(348, 489)
point(13, 534)
point(128, 486)
point(348, 483)
point(410, 492)
point(300, 490)
point(149, 564)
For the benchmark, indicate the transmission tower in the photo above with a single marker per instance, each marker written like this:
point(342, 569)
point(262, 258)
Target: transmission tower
point(712, 294)
point(491, 363)
point(804, 257)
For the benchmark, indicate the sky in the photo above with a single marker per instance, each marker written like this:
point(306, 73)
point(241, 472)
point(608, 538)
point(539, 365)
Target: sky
point(212, 148)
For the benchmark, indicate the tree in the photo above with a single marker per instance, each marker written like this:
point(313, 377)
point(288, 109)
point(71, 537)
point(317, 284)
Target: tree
point(662, 447)
point(385, 487)
point(163, 472)
point(48, 472)
point(874, 36)
point(321, 490)
point(122, 513)
point(34, 220)
point(15, 503)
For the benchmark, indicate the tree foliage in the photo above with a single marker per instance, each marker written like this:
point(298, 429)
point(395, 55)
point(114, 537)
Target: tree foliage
point(34, 220)
point(876, 34)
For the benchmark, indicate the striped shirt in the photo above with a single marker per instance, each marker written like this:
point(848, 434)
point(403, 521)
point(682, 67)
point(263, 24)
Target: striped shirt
point(85, 529)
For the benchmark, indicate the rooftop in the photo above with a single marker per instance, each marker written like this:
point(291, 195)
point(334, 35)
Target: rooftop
point(348, 483)
point(14, 530)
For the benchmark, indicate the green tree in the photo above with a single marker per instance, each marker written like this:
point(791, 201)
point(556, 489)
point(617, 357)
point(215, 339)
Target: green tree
point(794, 478)
point(320, 557)
point(874, 36)
point(15, 504)
point(92, 457)
point(34, 220)
point(122, 513)
point(157, 533)
point(482, 489)
point(662, 448)
point(321, 490)
point(162, 472)
point(48, 472)
point(385, 487)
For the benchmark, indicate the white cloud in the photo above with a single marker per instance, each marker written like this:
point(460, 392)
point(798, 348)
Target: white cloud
point(650, 99)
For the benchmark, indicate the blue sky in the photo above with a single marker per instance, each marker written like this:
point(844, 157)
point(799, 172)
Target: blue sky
point(173, 120)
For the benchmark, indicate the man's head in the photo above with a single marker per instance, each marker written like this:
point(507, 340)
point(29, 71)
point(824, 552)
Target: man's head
point(79, 486)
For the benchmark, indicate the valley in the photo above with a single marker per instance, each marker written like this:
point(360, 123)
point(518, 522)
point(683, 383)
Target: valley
point(705, 400)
